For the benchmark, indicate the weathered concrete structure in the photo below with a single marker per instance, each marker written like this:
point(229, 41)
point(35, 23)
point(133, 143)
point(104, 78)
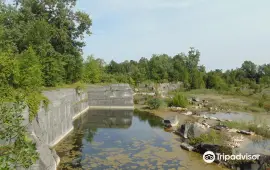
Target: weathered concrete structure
point(53, 123)
point(113, 96)
point(104, 119)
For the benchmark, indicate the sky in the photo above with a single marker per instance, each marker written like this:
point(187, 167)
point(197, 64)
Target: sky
point(226, 32)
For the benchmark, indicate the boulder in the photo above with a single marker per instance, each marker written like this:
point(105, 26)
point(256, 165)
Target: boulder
point(194, 99)
point(188, 113)
point(245, 132)
point(220, 127)
point(186, 146)
point(264, 160)
point(232, 130)
point(202, 148)
point(262, 164)
point(206, 124)
point(191, 130)
point(205, 117)
point(213, 118)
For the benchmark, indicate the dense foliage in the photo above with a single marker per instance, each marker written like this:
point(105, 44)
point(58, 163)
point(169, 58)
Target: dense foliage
point(40, 45)
point(179, 100)
point(181, 67)
point(155, 103)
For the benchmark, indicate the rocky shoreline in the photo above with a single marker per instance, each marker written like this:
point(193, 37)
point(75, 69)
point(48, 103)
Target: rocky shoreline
point(194, 130)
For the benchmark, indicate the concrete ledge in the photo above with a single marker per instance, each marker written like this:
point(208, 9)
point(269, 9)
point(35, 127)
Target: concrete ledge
point(112, 107)
point(54, 143)
point(79, 114)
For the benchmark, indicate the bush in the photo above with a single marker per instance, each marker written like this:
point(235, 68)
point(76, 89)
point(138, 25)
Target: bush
point(261, 103)
point(212, 137)
point(156, 103)
point(267, 107)
point(179, 100)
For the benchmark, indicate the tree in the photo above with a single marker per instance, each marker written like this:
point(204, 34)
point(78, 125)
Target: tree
point(192, 59)
point(30, 67)
point(250, 69)
point(215, 81)
point(93, 70)
point(19, 150)
point(160, 67)
point(55, 32)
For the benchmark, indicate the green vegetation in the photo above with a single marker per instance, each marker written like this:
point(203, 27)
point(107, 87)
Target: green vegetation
point(156, 103)
point(231, 100)
point(213, 137)
point(152, 119)
point(179, 100)
point(40, 46)
point(19, 150)
point(262, 130)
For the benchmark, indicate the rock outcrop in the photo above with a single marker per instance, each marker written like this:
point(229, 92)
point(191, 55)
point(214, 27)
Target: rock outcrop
point(192, 130)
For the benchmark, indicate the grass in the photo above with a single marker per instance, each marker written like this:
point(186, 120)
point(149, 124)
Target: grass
point(73, 86)
point(213, 137)
point(262, 130)
point(233, 100)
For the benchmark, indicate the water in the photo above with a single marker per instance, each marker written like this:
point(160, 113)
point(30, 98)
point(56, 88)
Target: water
point(255, 145)
point(259, 118)
point(124, 140)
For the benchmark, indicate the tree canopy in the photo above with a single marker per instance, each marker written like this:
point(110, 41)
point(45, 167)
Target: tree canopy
point(40, 45)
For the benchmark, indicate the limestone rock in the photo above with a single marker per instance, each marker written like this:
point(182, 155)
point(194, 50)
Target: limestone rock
point(191, 130)
point(186, 146)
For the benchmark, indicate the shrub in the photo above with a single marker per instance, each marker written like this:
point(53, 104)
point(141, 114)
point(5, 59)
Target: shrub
point(179, 100)
point(156, 103)
point(212, 137)
point(261, 103)
point(264, 96)
point(267, 107)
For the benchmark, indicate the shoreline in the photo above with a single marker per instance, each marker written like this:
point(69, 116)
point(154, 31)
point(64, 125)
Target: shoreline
point(165, 113)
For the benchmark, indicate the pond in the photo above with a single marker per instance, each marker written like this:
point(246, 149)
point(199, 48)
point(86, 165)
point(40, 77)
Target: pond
point(259, 118)
point(122, 139)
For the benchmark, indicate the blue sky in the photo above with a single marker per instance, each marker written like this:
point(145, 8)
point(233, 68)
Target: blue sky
point(226, 32)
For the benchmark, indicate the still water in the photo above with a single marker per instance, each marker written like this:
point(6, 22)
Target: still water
point(122, 139)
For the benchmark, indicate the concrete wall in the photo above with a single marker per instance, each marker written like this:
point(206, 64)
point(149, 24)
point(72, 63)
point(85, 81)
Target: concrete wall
point(113, 96)
point(56, 121)
point(104, 119)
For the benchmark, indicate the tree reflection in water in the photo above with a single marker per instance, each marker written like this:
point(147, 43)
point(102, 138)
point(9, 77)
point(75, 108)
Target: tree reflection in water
point(86, 127)
point(153, 120)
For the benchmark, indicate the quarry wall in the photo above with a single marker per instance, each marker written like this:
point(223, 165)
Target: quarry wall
point(55, 121)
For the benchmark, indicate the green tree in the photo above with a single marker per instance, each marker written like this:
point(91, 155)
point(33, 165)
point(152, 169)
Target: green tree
point(19, 150)
point(55, 32)
point(93, 70)
point(215, 81)
point(250, 69)
point(30, 69)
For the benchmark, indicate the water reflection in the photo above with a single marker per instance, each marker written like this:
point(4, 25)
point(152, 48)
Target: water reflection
point(153, 120)
point(124, 140)
point(104, 119)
